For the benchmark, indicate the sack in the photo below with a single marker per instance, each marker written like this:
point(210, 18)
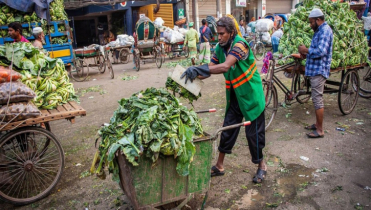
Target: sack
point(168, 33)
point(8, 74)
point(264, 25)
point(183, 31)
point(18, 92)
point(266, 37)
point(176, 37)
point(159, 22)
point(19, 111)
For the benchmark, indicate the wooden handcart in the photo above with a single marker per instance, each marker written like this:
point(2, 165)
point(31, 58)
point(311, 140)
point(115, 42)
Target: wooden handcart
point(123, 53)
point(31, 156)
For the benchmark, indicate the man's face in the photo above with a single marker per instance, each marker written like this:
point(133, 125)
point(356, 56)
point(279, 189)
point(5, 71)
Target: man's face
point(223, 36)
point(12, 33)
point(313, 23)
point(241, 22)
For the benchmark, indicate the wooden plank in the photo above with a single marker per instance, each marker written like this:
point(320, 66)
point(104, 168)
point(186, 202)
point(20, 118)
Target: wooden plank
point(53, 111)
point(75, 105)
point(68, 107)
point(61, 109)
point(44, 113)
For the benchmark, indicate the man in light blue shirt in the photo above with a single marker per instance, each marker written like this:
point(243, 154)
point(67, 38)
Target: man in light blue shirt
point(242, 29)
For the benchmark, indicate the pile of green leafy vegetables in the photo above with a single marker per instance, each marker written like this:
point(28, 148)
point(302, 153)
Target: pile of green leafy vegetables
point(184, 93)
point(183, 62)
point(149, 124)
point(46, 76)
point(349, 45)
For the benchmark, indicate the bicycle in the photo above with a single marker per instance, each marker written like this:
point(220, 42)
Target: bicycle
point(258, 47)
point(365, 83)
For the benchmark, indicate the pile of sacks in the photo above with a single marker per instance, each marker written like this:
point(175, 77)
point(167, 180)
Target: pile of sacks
point(264, 26)
point(174, 36)
point(122, 40)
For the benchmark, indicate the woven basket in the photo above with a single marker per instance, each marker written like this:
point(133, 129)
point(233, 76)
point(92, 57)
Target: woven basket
point(180, 22)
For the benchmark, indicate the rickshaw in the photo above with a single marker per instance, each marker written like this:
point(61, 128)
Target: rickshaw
point(147, 42)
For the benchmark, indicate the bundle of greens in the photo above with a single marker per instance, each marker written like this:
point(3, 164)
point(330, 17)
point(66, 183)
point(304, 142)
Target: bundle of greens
point(44, 75)
point(184, 93)
point(349, 45)
point(57, 10)
point(149, 123)
point(184, 63)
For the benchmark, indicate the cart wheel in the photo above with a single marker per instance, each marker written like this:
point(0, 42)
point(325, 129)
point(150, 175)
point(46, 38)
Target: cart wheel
point(365, 82)
point(31, 164)
point(110, 69)
point(171, 55)
point(124, 56)
point(137, 61)
point(186, 52)
point(79, 70)
point(101, 64)
point(158, 59)
point(302, 84)
point(348, 92)
point(163, 54)
point(259, 51)
point(271, 102)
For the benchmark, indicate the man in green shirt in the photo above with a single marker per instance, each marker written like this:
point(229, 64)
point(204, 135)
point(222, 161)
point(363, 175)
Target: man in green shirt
point(191, 38)
point(244, 94)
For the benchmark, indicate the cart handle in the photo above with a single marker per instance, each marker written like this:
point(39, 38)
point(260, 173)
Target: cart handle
point(206, 111)
point(216, 134)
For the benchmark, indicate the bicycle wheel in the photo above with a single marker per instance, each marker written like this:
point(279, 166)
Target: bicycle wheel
point(79, 70)
point(348, 92)
point(259, 51)
point(29, 169)
point(124, 55)
point(158, 59)
point(101, 64)
point(271, 103)
point(301, 86)
point(365, 82)
point(110, 69)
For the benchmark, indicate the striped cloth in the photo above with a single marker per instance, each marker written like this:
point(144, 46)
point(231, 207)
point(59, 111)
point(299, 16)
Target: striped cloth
point(204, 56)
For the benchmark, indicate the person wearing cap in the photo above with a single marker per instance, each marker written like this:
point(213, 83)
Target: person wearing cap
point(318, 66)
point(39, 37)
point(244, 94)
point(15, 32)
point(191, 40)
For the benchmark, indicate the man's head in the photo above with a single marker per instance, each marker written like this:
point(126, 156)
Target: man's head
point(190, 24)
point(241, 22)
point(316, 19)
point(226, 31)
point(14, 30)
point(38, 33)
point(204, 22)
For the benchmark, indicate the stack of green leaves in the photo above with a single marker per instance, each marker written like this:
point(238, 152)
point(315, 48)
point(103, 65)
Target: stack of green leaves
point(184, 93)
point(349, 44)
point(46, 76)
point(150, 123)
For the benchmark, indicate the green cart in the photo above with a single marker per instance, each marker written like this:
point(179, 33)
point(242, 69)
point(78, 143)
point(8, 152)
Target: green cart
point(150, 187)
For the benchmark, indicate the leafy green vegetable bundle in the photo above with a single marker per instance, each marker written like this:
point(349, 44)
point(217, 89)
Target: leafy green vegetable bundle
point(46, 76)
point(176, 88)
point(149, 123)
point(349, 45)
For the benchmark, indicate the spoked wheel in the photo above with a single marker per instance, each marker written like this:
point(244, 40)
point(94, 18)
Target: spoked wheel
point(158, 58)
point(137, 61)
point(79, 70)
point(348, 92)
point(110, 69)
point(302, 86)
point(101, 64)
point(365, 82)
point(124, 55)
point(31, 164)
point(186, 52)
point(259, 51)
point(271, 103)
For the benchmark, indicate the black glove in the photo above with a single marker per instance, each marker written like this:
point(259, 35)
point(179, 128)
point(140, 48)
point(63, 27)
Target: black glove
point(192, 72)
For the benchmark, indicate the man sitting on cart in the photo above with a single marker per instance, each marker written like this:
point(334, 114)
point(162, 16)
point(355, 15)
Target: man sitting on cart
point(244, 94)
point(318, 66)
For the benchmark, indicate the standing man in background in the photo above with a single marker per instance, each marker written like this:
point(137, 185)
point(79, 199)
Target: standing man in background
point(206, 36)
point(101, 34)
point(191, 40)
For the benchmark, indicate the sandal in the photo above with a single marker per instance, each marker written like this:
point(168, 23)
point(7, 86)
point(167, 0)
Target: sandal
point(259, 176)
point(216, 172)
point(314, 135)
point(311, 127)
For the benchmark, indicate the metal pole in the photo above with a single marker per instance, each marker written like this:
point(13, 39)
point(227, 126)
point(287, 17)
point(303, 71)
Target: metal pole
point(218, 8)
point(195, 14)
point(187, 11)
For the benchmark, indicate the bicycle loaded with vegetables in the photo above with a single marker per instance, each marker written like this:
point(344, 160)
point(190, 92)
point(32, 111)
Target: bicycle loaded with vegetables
point(244, 94)
point(318, 66)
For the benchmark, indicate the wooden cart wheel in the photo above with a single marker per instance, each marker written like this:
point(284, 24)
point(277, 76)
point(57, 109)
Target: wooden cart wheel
point(124, 55)
point(101, 64)
point(271, 102)
point(137, 61)
point(302, 84)
point(348, 92)
point(79, 70)
point(31, 164)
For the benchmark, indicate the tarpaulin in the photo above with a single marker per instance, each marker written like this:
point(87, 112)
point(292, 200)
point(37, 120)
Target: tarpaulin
point(39, 6)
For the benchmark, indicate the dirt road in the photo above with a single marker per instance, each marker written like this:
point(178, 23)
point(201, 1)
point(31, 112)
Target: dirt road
point(334, 177)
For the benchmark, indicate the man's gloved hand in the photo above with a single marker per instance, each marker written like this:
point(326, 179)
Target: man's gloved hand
point(192, 72)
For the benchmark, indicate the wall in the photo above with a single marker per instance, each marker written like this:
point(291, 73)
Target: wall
point(205, 8)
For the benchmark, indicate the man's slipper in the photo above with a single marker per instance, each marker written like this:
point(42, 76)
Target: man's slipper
point(259, 176)
point(311, 127)
point(216, 172)
point(314, 135)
